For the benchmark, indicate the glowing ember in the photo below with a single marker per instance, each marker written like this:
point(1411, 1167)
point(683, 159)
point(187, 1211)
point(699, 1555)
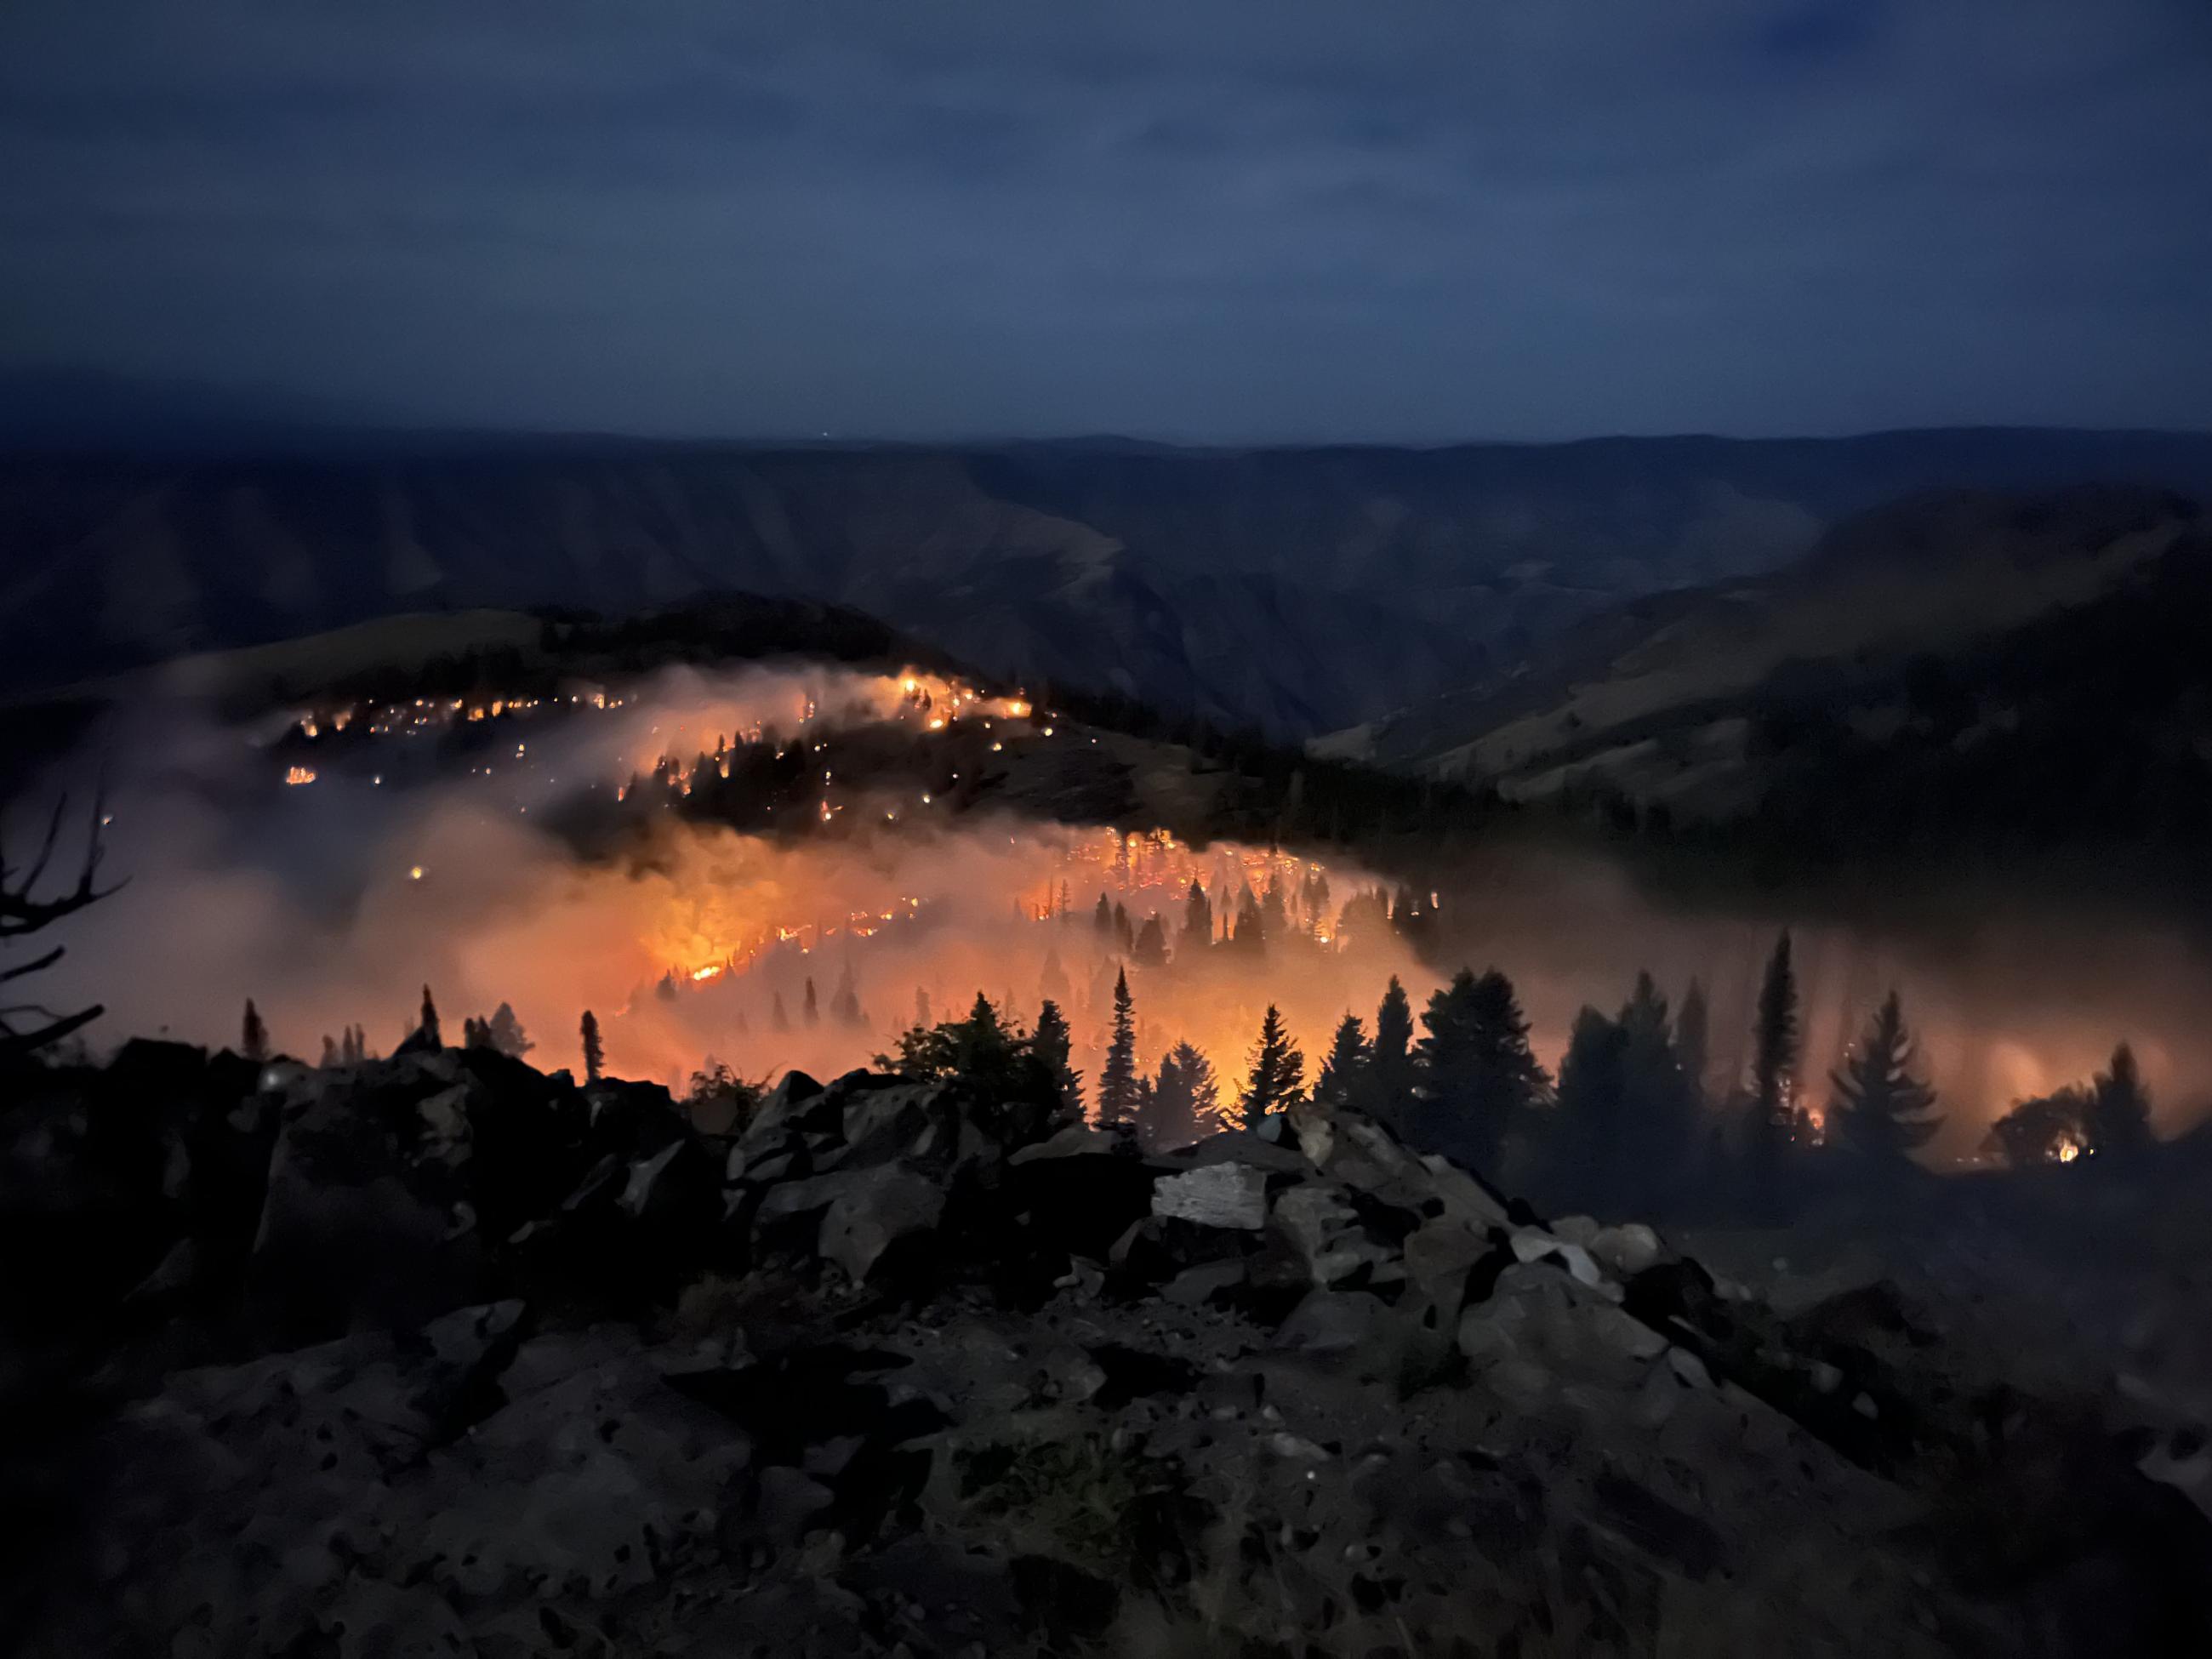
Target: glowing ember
point(299, 774)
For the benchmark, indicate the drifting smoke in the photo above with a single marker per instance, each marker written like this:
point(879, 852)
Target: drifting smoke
point(333, 901)
point(386, 866)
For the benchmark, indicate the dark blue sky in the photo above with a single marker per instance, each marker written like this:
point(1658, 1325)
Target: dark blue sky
point(1272, 219)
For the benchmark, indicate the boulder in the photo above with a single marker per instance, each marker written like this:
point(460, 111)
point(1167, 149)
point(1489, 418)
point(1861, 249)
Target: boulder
point(1229, 1195)
point(874, 1212)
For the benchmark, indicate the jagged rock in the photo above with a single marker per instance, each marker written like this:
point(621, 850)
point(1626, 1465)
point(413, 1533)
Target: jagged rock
point(1326, 1232)
point(1231, 1195)
point(352, 1225)
point(875, 1211)
point(1237, 1146)
point(1625, 1251)
point(1348, 1389)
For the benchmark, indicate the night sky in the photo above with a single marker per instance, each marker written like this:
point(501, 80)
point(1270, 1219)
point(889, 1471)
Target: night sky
point(1271, 220)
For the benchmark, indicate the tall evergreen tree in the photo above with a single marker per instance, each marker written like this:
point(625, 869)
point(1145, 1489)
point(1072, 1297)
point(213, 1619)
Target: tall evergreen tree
point(1279, 1070)
point(1693, 1043)
point(810, 1009)
point(1344, 1080)
point(1102, 919)
point(2118, 1114)
point(504, 1032)
point(595, 1055)
point(1659, 1112)
point(1390, 1066)
point(1185, 1102)
point(1197, 920)
point(253, 1035)
point(1053, 1045)
point(1478, 1077)
point(1169, 1118)
point(330, 1056)
point(1585, 1135)
point(1774, 1040)
point(1250, 932)
point(1151, 950)
point(427, 1024)
point(845, 1001)
point(1117, 1079)
point(1881, 1111)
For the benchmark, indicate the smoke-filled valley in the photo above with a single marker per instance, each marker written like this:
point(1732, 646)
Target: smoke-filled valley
point(770, 867)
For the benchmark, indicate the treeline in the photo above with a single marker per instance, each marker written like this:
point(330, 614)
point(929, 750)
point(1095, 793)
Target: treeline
point(1632, 1124)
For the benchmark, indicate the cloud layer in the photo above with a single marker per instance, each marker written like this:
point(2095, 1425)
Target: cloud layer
point(1419, 220)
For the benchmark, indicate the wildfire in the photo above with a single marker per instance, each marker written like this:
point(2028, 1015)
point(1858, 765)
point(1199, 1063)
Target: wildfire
point(299, 774)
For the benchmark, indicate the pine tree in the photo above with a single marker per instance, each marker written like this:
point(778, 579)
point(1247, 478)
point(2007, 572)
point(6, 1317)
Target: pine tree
point(1692, 1043)
point(1774, 1068)
point(778, 1020)
point(1586, 1133)
point(1250, 933)
point(1124, 935)
point(1051, 1043)
point(1659, 1112)
point(1278, 1072)
point(1169, 1119)
point(360, 1045)
point(475, 1033)
point(1478, 1077)
point(1117, 1081)
point(1881, 1111)
point(811, 1009)
point(922, 1014)
point(845, 1001)
point(595, 1055)
point(253, 1035)
point(427, 1025)
point(1344, 1074)
point(330, 1051)
point(504, 1032)
point(1197, 920)
point(1151, 950)
point(1102, 919)
point(1195, 1077)
point(1390, 1067)
point(2118, 1114)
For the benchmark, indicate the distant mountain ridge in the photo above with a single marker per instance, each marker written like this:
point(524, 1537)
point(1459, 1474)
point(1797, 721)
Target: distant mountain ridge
point(2025, 642)
point(1297, 590)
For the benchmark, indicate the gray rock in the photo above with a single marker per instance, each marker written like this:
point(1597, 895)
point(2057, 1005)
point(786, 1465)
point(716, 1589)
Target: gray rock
point(1226, 1195)
point(874, 1210)
point(1625, 1251)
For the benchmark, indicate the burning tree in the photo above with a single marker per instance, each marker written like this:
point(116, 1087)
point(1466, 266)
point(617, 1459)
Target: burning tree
point(27, 1028)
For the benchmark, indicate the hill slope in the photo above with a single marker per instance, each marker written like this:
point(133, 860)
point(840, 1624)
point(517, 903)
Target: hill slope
point(1297, 590)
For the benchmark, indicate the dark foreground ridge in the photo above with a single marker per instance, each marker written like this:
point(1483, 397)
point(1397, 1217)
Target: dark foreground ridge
point(438, 1355)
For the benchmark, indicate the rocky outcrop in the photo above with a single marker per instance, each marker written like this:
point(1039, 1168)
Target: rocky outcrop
point(896, 1367)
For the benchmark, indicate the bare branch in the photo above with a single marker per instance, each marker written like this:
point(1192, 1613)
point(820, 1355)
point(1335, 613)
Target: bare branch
point(22, 1045)
point(36, 966)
